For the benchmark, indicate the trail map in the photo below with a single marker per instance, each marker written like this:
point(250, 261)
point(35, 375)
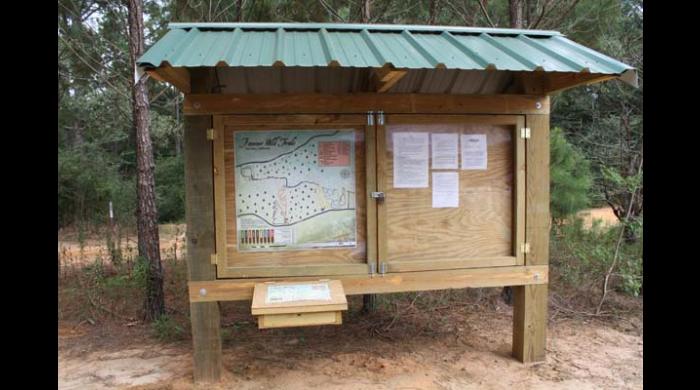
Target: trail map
point(295, 189)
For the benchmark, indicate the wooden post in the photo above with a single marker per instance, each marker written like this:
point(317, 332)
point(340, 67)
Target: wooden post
point(199, 209)
point(530, 302)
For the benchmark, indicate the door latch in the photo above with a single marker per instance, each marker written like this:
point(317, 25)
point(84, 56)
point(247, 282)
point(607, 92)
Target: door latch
point(377, 195)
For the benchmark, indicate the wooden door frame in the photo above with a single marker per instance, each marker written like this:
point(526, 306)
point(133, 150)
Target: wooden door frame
point(519, 201)
point(220, 258)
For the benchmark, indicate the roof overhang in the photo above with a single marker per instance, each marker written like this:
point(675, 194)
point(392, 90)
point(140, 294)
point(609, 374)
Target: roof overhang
point(389, 52)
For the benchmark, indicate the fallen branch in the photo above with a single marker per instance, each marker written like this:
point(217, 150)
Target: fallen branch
point(96, 306)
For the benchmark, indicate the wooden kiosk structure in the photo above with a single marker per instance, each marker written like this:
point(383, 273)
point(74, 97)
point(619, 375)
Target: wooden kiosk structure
point(389, 158)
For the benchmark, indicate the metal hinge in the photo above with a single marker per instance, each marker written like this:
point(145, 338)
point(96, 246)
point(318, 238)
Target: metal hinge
point(525, 247)
point(377, 195)
point(382, 269)
point(370, 118)
point(210, 134)
point(525, 133)
point(372, 269)
point(213, 258)
point(380, 119)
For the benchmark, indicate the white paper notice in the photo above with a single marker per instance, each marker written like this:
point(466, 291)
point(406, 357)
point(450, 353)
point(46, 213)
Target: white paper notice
point(445, 189)
point(444, 147)
point(411, 160)
point(474, 152)
point(298, 292)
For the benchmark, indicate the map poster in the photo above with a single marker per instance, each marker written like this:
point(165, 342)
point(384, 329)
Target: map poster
point(295, 189)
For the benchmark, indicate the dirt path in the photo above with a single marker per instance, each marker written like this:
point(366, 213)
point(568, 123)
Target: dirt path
point(470, 353)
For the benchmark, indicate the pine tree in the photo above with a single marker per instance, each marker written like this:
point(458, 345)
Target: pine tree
point(570, 177)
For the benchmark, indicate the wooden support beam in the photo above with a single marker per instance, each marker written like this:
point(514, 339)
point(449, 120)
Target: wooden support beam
point(199, 210)
point(561, 82)
point(242, 289)
point(529, 322)
point(386, 77)
point(544, 83)
point(360, 103)
point(530, 302)
point(178, 77)
point(537, 220)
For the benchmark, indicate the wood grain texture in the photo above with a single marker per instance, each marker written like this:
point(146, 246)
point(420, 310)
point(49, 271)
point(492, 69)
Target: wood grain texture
point(316, 103)
point(308, 262)
point(301, 319)
point(529, 322)
point(307, 269)
point(219, 172)
point(438, 264)
point(178, 77)
point(371, 186)
point(483, 226)
point(530, 302)
point(242, 289)
point(199, 214)
point(519, 201)
point(538, 217)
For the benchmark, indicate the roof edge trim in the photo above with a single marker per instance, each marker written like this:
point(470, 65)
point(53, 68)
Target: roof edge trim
point(359, 27)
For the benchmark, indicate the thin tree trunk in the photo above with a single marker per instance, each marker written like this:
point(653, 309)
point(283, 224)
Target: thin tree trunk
point(239, 10)
point(366, 15)
point(146, 213)
point(178, 127)
point(515, 8)
point(433, 11)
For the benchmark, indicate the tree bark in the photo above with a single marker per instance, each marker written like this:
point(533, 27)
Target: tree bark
point(146, 213)
point(365, 17)
point(239, 10)
point(515, 8)
point(432, 18)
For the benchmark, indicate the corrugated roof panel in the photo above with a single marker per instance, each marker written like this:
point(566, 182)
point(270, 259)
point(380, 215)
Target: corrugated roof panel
point(451, 56)
point(492, 54)
point(357, 52)
point(365, 46)
point(159, 51)
point(401, 52)
point(598, 62)
point(537, 56)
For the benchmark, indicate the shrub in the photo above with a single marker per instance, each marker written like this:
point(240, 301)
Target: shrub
point(166, 329)
point(581, 257)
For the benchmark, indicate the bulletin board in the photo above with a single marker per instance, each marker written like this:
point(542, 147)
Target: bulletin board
point(290, 195)
point(454, 194)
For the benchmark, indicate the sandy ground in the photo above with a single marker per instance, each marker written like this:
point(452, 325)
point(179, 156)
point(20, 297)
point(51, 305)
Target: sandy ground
point(468, 350)
point(439, 345)
point(71, 253)
point(604, 214)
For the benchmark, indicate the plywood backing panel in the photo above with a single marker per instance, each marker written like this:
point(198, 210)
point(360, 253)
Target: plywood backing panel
point(481, 231)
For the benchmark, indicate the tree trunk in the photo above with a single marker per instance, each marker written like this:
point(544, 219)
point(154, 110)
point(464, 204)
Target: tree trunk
point(239, 10)
point(432, 18)
point(515, 9)
point(146, 213)
point(365, 11)
point(178, 127)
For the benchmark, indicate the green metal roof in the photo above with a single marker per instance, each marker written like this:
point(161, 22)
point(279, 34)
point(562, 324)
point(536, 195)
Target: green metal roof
point(371, 45)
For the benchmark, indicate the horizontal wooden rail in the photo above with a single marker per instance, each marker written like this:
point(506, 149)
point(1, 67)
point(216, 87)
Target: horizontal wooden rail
point(407, 103)
point(242, 289)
